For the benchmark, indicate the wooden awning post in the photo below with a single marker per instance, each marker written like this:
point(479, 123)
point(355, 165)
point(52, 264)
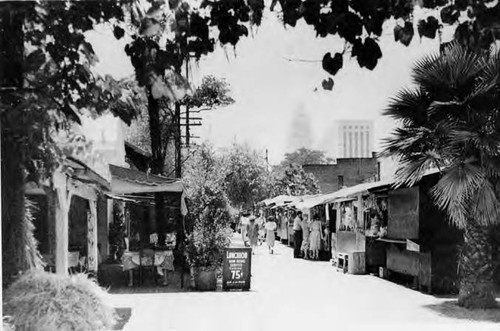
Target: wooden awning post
point(62, 222)
point(93, 253)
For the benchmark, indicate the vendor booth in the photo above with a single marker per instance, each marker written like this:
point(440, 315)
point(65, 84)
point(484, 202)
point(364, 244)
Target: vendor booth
point(149, 241)
point(358, 214)
point(420, 242)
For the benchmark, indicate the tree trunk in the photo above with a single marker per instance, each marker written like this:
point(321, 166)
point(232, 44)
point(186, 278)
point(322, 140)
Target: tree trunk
point(19, 248)
point(158, 161)
point(15, 256)
point(476, 269)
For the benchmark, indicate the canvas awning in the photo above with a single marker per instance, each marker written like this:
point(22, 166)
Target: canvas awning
point(126, 181)
point(349, 191)
point(279, 200)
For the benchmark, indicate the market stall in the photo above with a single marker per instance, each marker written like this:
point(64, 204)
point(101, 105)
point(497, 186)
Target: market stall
point(420, 241)
point(357, 226)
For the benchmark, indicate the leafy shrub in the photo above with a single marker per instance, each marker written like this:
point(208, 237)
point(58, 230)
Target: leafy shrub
point(205, 247)
point(209, 209)
point(40, 301)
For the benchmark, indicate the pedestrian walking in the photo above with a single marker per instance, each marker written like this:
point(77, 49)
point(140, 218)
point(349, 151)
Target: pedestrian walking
point(244, 225)
point(270, 238)
point(315, 237)
point(253, 233)
point(297, 235)
point(262, 231)
point(304, 224)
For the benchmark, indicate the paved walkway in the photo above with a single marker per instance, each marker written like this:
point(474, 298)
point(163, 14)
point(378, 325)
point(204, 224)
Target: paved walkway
point(295, 294)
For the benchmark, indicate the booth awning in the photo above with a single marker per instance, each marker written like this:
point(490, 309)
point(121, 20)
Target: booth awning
point(125, 180)
point(348, 191)
point(279, 200)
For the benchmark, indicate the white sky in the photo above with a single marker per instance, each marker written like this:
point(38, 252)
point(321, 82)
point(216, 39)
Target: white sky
point(269, 90)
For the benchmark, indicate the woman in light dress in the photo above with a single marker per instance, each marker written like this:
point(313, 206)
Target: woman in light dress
point(315, 237)
point(270, 228)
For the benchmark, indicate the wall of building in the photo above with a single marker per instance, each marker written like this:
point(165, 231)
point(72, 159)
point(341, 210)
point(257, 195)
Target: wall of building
point(353, 171)
point(355, 139)
point(106, 133)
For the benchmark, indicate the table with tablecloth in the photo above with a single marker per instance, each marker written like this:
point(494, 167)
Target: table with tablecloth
point(164, 261)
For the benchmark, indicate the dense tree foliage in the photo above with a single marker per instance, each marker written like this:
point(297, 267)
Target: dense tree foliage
point(451, 120)
point(246, 176)
point(305, 156)
point(212, 93)
point(293, 180)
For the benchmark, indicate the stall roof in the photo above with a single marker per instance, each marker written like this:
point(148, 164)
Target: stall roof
point(360, 188)
point(307, 202)
point(84, 173)
point(124, 180)
point(316, 200)
point(279, 200)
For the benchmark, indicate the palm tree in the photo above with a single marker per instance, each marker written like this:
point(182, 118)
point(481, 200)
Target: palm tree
point(451, 120)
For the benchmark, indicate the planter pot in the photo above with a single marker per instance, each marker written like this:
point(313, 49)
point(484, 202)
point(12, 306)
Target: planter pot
point(205, 280)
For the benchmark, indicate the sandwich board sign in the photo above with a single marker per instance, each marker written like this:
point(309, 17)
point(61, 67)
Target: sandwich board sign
point(236, 269)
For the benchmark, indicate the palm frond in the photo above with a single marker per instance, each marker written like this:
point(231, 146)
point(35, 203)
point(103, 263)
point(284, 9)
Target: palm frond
point(453, 192)
point(412, 169)
point(409, 107)
point(491, 165)
point(485, 205)
point(492, 69)
point(451, 76)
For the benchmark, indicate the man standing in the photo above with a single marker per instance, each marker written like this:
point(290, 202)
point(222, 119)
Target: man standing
point(297, 235)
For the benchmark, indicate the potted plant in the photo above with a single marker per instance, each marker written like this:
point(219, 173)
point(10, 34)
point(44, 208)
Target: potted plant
point(209, 218)
point(205, 247)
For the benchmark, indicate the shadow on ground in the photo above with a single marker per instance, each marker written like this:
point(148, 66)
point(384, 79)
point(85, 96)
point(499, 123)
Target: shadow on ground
point(450, 308)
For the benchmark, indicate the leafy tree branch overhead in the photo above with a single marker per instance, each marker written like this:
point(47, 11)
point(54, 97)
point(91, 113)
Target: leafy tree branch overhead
point(359, 22)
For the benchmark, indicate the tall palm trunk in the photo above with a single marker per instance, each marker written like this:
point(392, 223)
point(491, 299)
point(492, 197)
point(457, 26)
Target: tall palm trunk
point(476, 269)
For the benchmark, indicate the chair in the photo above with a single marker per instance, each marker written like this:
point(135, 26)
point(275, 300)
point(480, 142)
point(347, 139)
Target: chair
point(147, 263)
point(73, 261)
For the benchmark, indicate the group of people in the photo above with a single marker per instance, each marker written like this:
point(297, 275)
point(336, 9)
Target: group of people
point(307, 236)
point(254, 229)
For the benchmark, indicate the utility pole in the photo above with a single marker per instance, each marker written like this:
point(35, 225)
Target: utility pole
point(187, 106)
point(178, 150)
point(267, 159)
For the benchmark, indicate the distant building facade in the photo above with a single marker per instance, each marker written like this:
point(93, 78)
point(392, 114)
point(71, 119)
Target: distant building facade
point(355, 139)
point(346, 172)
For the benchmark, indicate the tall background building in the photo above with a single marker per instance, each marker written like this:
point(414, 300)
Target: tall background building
point(300, 134)
point(355, 138)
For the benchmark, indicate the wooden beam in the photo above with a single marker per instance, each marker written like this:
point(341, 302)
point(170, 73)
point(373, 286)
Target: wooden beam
point(62, 222)
point(92, 258)
point(82, 190)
